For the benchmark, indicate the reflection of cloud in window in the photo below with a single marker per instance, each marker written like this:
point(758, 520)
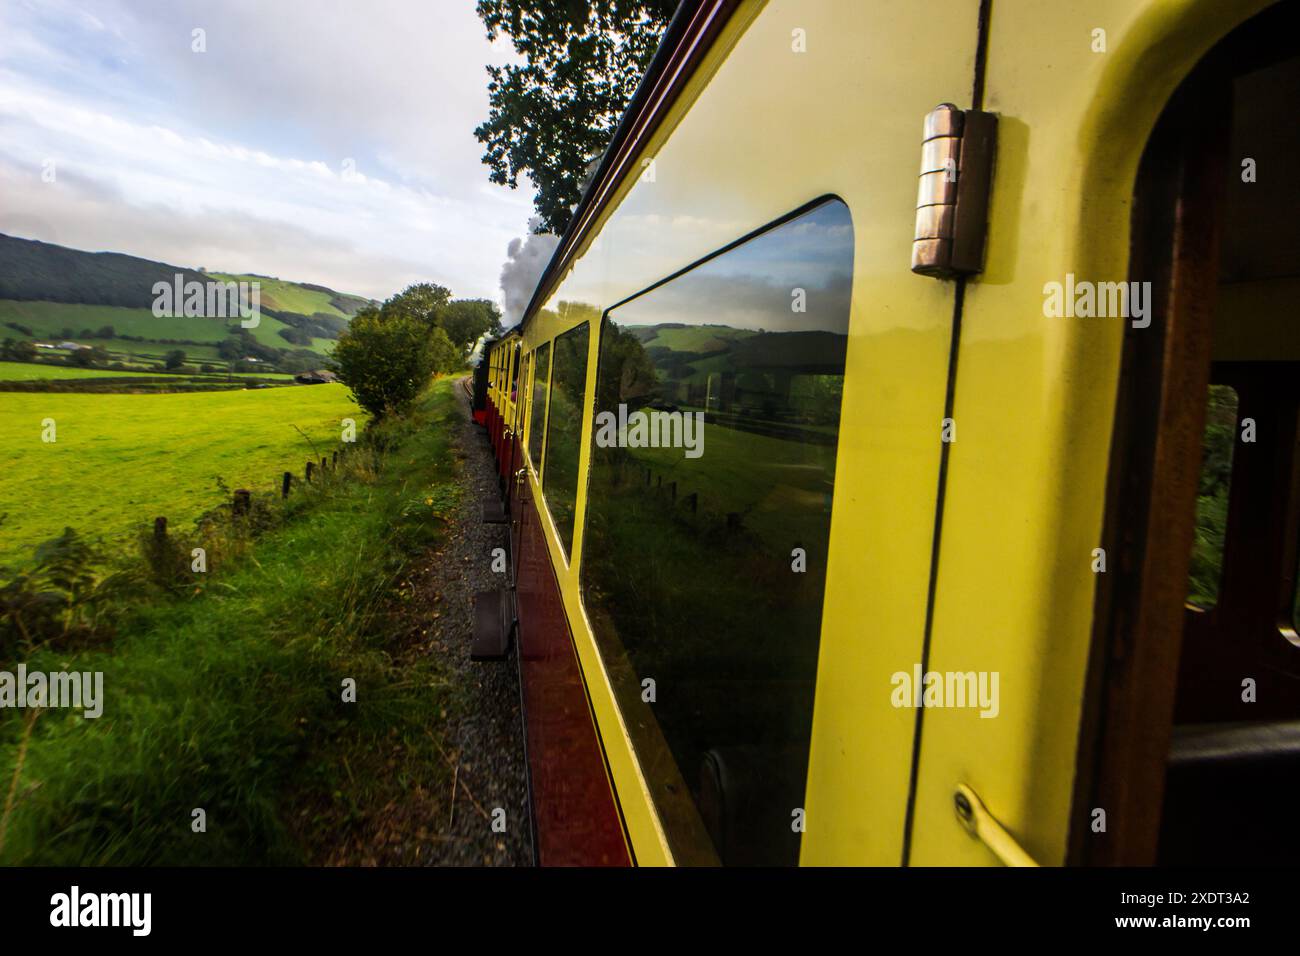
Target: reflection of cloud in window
point(743, 302)
point(752, 286)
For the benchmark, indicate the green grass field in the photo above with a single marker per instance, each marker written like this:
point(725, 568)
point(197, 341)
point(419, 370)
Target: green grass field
point(121, 460)
point(32, 372)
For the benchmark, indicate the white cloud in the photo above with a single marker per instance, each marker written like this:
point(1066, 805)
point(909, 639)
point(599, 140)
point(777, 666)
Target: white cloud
point(234, 159)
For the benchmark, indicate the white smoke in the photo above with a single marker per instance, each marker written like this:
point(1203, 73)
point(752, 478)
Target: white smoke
point(526, 260)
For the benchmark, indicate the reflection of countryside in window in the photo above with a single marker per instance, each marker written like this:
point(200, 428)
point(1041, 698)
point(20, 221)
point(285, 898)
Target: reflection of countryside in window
point(1212, 497)
point(688, 562)
point(541, 372)
point(564, 429)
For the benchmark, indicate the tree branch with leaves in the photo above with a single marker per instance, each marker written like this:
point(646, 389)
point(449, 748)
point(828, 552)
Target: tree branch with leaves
point(551, 116)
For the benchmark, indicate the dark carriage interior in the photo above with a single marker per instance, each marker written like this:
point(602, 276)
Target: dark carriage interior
point(1235, 749)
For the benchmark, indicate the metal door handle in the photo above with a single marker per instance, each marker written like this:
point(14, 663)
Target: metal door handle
point(982, 825)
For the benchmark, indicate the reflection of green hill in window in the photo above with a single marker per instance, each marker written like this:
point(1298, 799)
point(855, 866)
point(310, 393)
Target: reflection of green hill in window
point(687, 571)
point(771, 403)
point(694, 338)
point(774, 377)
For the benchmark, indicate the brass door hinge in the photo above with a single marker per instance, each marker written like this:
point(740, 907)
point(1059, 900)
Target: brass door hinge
point(952, 202)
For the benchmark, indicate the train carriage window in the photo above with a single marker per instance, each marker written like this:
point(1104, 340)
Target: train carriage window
point(521, 407)
point(708, 519)
point(564, 429)
point(514, 376)
point(541, 376)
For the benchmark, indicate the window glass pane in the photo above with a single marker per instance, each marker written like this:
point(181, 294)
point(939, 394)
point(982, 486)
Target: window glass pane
point(564, 429)
point(1212, 497)
point(708, 516)
point(521, 409)
point(514, 381)
point(542, 370)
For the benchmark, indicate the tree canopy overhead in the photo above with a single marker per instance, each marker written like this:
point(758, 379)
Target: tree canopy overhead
point(555, 113)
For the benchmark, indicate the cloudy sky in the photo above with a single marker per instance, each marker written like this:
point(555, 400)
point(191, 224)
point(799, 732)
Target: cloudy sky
point(326, 141)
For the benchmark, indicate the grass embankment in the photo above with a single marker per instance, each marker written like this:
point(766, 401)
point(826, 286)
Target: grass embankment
point(229, 698)
point(119, 461)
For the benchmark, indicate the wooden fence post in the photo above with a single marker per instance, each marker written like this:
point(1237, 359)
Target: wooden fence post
point(285, 483)
point(242, 501)
point(307, 472)
point(159, 528)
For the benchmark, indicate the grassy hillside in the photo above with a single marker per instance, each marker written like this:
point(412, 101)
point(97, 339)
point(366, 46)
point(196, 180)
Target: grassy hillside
point(49, 321)
point(121, 460)
point(42, 270)
point(49, 292)
point(298, 297)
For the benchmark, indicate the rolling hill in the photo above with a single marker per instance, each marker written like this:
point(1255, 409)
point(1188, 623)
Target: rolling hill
point(50, 293)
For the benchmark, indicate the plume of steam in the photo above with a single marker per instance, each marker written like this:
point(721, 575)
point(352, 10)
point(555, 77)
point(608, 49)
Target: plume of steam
point(526, 259)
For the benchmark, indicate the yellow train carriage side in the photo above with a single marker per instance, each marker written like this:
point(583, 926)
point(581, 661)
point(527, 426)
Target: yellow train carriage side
point(973, 449)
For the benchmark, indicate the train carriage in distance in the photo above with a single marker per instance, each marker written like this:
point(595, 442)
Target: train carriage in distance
point(899, 452)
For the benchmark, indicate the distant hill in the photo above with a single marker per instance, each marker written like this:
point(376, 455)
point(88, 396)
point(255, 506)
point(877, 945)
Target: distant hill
point(40, 271)
point(52, 294)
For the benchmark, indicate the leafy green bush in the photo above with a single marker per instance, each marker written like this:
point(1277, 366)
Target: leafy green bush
point(387, 361)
